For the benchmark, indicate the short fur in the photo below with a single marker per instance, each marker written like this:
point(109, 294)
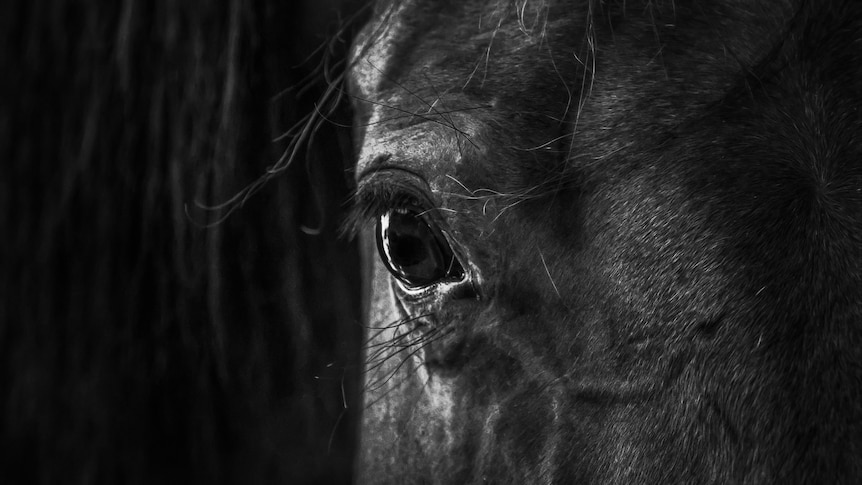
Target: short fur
point(660, 204)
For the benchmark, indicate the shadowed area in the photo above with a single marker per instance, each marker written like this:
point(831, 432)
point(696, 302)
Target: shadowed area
point(142, 340)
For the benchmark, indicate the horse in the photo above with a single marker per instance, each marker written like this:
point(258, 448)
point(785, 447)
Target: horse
point(610, 241)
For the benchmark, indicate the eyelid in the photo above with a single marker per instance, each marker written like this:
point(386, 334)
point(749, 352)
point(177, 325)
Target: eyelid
point(386, 189)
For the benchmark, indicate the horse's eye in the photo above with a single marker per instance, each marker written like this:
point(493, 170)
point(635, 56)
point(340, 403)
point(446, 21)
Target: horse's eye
point(415, 252)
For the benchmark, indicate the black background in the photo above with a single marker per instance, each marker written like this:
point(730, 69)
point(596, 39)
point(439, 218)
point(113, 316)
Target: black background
point(144, 338)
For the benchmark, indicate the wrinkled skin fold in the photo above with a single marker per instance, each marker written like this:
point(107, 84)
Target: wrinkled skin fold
point(658, 211)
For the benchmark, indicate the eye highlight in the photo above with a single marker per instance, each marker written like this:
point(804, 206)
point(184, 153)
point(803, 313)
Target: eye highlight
point(415, 251)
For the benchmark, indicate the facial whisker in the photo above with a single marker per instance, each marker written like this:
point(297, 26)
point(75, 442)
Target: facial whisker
point(425, 341)
point(381, 356)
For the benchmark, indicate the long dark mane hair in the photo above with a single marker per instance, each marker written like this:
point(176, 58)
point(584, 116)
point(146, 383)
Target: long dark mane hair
point(145, 336)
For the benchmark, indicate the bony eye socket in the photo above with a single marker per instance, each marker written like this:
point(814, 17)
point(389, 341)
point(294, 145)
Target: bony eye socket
point(414, 251)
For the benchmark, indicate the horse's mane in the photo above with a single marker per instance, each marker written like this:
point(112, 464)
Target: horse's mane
point(146, 338)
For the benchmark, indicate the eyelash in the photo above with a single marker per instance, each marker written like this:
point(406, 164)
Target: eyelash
point(375, 199)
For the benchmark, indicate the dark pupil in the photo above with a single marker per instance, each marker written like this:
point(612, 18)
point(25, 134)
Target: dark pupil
point(413, 251)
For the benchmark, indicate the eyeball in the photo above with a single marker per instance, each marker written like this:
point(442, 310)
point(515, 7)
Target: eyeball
point(415, 251)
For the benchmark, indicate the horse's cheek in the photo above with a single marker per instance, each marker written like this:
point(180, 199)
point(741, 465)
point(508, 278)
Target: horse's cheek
point(415, 426)
point(401, 430)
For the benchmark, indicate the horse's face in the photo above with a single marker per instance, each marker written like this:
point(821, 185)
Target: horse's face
point(619, 242)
